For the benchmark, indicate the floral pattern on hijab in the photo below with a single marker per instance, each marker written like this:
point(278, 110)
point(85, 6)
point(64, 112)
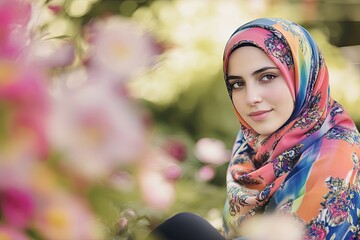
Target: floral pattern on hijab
point(309, 167)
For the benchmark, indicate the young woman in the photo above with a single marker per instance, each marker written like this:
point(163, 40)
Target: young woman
point(297, 151)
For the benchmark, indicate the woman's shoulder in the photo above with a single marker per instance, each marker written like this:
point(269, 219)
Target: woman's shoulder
point(330, 155)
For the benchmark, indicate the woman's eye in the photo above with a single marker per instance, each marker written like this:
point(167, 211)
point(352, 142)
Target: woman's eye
point(267, 77)
point(237, 85)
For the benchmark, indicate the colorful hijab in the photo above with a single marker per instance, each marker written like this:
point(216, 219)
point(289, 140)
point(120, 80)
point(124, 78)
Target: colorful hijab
point(308, 168)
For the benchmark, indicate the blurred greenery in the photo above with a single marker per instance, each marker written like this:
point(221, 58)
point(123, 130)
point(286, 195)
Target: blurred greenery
point(185, 92)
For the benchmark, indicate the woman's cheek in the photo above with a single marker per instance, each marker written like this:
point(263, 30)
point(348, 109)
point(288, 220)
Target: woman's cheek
point(239, 103)
point(277, 92)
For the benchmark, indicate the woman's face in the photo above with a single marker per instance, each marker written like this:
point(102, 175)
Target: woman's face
point(259, 91)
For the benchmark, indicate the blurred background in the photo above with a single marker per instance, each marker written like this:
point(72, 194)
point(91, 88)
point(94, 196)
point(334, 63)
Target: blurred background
point(114, 113)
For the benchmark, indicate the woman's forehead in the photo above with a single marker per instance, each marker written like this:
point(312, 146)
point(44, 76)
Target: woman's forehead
point(248, 59)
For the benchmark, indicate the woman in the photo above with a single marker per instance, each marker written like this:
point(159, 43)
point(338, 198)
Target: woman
point(297, 152)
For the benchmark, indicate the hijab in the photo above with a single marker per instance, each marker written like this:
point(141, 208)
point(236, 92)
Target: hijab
point(309, 167)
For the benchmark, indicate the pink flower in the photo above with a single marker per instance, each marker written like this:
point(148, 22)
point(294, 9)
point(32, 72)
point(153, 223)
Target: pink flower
point(23, 98)
point(15, 166)
point(175, 148)
point(120, 48)
point(122, 181)
point(123, 224)
point(56, 9)
point(14, 16)
point(157, 191)
point(173, 172)
point(8, 232)
point(55, 53)
point(63, 216)
point(96, 130)
point(211, 151)
point(17, 207)
point(205, 173)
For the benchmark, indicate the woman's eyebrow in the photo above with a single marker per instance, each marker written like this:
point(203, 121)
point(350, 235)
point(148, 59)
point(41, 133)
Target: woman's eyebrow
point(235, 77)
point(263, 70)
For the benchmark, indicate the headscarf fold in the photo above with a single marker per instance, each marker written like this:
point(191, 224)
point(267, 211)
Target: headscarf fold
point(309, 167)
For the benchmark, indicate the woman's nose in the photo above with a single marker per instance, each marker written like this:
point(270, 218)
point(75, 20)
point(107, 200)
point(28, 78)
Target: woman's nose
point(253, 95)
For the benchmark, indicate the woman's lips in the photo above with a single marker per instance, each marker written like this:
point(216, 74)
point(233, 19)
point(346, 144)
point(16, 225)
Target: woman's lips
point(259, 115)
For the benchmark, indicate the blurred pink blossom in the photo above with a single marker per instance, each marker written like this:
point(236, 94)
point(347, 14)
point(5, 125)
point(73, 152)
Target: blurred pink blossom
point(175, 148)
point(15, 166)
point(123, 224)
point(14, 16)
point(96, 130)
point(120, 48)
point(17, 207)
point(211, 151)
point(91, 129)
point(52, 53)
point(158, 193)
point(23, 100)
point(8, 232)
point(157, 190)
point(173, 172)
point(56, 9)
point(66, 217)
point(122, 181)
point(24, 139)
point(205, 173)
